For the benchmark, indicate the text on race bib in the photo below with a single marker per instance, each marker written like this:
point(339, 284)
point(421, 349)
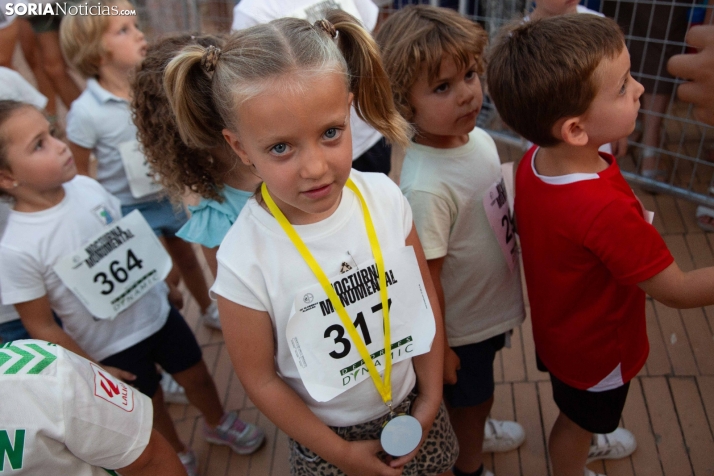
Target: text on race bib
point(116, 267)
point(495, 202)
point(327, 359)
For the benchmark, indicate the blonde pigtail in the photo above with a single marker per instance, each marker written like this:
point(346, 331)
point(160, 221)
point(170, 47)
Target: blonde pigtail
point(187, 82)
point(368, 80)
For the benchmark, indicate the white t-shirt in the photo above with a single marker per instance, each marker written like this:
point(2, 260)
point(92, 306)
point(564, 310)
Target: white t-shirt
point(63, 417)
point(100, 121)
point(259, 268)
point(7, 312)
point(445, 189)
point(34, 242)
point(16, 88)
point(249, 13)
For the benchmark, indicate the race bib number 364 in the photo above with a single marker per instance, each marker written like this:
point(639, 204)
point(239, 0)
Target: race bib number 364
point(327, 359)
point(115, 267)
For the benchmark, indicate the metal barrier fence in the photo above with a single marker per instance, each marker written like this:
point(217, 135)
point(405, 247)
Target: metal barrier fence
point(670, 152)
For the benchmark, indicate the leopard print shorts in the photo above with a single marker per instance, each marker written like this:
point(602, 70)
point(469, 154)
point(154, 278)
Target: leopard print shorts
point(437, 454)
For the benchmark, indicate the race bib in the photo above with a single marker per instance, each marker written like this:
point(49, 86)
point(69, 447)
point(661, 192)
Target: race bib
point(327, 359)
point(138, 172)
point(316, 10)
point(646, 214)
point(495, 202)
point(116, 267)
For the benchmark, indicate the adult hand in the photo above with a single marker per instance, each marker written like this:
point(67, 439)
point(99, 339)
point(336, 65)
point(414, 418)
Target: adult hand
point(699, 70)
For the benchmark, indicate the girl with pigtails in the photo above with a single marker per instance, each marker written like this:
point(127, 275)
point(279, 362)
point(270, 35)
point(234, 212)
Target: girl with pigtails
point(323, 266)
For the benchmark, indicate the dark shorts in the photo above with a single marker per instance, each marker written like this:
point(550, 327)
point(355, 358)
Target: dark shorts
point(174, 347)
point(474, 384)
point(162, 216)
point(596, 412)
point(376, 159)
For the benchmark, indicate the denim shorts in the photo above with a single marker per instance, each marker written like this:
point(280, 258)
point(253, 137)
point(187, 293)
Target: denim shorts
point(162, 216)
point(13, 330)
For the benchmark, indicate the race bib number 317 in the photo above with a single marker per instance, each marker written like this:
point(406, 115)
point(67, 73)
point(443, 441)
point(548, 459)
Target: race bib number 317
point(327, 359)
point(116, 267)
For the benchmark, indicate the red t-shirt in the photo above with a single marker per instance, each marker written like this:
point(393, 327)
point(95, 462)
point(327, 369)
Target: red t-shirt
point(585, 247)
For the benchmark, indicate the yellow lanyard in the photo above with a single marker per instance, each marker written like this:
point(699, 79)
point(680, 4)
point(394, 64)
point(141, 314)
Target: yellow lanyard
point(383, 387)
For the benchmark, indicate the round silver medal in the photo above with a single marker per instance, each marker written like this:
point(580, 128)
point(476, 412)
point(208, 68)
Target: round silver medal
point(401, 435)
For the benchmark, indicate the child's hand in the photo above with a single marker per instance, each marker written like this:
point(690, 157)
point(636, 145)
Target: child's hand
point(175, 297)
point(361, 460)
point(452, 363)
point(122, 375)
point(425, 414)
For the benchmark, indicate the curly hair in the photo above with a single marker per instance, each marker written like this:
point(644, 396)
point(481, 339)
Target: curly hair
point(178, 166)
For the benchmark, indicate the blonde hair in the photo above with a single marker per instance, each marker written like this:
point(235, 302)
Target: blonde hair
point(206, 86)
point(81, 38)
point(421, 36)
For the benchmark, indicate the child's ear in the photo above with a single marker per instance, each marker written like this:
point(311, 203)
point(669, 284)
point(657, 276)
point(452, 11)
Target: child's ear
point(571, 131)
point(236, 146)
point(7, 181)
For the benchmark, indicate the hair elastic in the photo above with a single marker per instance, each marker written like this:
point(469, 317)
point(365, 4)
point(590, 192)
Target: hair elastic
point(210, 59)
point(327, 27)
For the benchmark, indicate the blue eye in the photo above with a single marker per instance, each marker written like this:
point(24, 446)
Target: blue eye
point(332, 133)
point(279, 149)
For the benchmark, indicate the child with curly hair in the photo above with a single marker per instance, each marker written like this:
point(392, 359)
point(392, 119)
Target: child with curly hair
point(222, 181)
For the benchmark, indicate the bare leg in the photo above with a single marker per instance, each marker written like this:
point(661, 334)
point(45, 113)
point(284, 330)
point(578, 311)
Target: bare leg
point(201, 392)
point(8, 40)
point(31, 51)
point(163, 423)
point(568, 447)
point(468, 423)
point(185, 260)
point(210, 255)
point(56, 68)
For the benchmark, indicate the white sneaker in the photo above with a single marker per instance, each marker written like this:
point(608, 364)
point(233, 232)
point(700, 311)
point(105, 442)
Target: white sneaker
point(210, 317)
point(173, 392)
point(501, 436)
point(589, 472)
point(189, 462)
point(618, 444)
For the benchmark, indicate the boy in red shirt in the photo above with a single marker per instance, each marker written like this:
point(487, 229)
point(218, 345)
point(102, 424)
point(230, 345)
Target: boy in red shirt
point(589, 253)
